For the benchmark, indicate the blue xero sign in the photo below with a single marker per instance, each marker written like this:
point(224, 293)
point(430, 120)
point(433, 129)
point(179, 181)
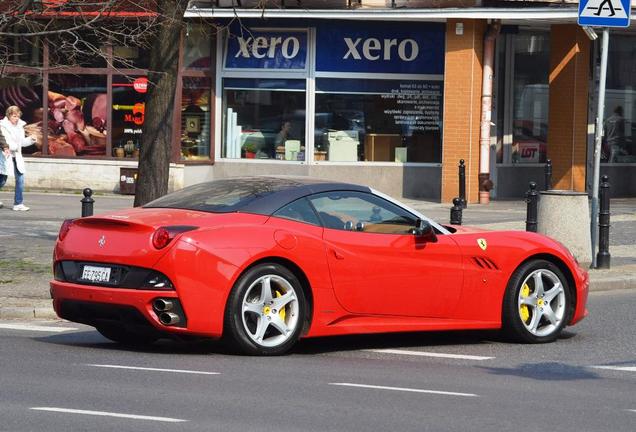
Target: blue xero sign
point(267, 50)
point(381, 48)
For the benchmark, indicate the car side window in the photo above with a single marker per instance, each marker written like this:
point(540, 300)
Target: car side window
point(299, 210)
point(362, 212)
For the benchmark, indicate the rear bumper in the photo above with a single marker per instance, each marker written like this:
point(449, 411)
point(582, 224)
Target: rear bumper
point(127, 308)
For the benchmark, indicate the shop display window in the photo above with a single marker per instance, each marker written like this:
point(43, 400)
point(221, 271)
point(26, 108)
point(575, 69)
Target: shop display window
point(195, 118)
point(131, 57)
point(25, 92)
point(76, 49)
point(378, 120)
point(23, 51)
point(77, 115)
point(264, 118)
point(619, 127)
point(530, 97)
point(129, 103)
point(198, 47)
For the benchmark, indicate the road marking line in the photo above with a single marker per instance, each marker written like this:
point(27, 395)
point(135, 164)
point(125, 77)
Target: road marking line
point(617, 368)
point(634, 410)
point(430, 354)
point(29, 327)
point(109, 414)
point(405, 389)
point(154, 369)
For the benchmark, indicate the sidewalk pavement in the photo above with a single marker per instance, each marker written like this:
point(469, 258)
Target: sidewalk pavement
point(27, 240)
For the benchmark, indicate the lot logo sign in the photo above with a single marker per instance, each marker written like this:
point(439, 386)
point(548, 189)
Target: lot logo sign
point(267, 50)
point(381, 48)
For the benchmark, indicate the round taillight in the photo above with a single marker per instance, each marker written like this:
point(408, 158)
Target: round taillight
point(65, 228)
point(161, 238)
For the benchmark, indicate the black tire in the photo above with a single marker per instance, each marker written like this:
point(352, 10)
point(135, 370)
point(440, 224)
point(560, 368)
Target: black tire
point(256, 323)
point(537, 303)
point(120, 335)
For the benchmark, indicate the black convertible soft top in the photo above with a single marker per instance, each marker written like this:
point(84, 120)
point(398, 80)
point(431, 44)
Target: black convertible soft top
point(258, 194)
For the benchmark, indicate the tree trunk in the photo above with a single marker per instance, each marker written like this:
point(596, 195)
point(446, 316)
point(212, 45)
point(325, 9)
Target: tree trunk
point(156, 139)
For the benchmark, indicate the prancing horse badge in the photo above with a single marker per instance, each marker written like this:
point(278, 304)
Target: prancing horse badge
point(482, 243)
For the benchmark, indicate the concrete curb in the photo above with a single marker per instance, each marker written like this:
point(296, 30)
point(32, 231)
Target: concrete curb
point(26, 308)
point(611, 283)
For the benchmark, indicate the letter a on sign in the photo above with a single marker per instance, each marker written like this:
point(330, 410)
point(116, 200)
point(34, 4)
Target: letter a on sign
point(604, 13)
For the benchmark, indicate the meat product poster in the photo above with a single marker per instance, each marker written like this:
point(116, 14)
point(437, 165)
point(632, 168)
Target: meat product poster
point(27, 95)
point(77, 108)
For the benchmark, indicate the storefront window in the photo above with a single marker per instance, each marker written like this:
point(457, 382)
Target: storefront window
point(129, 102)
point(76, 49)
point(198, 47)
point(530, 90)
point(195, 118)
point(264, 118)
point(131, 57)
point(375, 93)
point(620, 102)
point(24, 51)
point(378, 120)
point(77, 115)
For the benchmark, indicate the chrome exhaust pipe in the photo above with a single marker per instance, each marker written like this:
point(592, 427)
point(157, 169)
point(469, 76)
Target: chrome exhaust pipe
point(162, 305)
point(169, 318)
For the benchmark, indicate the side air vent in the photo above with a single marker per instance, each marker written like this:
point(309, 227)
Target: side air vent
point(485, 263)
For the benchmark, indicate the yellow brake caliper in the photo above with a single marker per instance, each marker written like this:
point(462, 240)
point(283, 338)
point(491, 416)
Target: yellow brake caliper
point(523, 309)
point(281, 312)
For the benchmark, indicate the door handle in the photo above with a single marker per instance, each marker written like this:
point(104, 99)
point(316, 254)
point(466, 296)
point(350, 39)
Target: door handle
point(337, 255)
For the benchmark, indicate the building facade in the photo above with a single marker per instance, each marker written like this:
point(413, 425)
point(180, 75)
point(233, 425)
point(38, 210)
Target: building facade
point(390, 97)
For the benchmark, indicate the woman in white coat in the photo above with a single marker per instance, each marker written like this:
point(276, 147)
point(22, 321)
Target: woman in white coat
point(12, 128)
point(5, 157)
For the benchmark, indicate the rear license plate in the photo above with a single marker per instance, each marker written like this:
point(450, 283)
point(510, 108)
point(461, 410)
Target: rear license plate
point(96, 274)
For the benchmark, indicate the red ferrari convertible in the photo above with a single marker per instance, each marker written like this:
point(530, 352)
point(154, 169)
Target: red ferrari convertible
point(264, 261)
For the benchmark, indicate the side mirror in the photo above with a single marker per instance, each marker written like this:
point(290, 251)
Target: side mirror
point(425, 230)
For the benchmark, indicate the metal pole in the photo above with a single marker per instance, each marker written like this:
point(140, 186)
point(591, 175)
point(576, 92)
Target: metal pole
point(87, 202)
point(603, 257)
point(532, 199)
point(462, 183)
point(548, 175)
point(456, 212)
point(600, 110)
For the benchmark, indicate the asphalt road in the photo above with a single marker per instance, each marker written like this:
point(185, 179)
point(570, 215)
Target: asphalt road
point(59, 376)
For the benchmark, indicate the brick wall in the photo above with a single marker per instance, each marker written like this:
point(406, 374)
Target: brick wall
point(462, 107)
point(568, 118)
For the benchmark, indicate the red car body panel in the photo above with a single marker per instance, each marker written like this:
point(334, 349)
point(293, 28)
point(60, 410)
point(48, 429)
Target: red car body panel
point(356, 282)
point(387, 274)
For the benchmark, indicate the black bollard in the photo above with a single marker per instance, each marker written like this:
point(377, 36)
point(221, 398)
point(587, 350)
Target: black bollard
point(548, 175)
point(462, 183)
point(87, 202)
point(456, 212)
point(603, 256)
point(532, 198)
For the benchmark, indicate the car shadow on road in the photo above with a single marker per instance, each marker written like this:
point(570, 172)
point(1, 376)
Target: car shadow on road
point(310, 346)
point(396, 340)
point(93, 340)
point(545, 371)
